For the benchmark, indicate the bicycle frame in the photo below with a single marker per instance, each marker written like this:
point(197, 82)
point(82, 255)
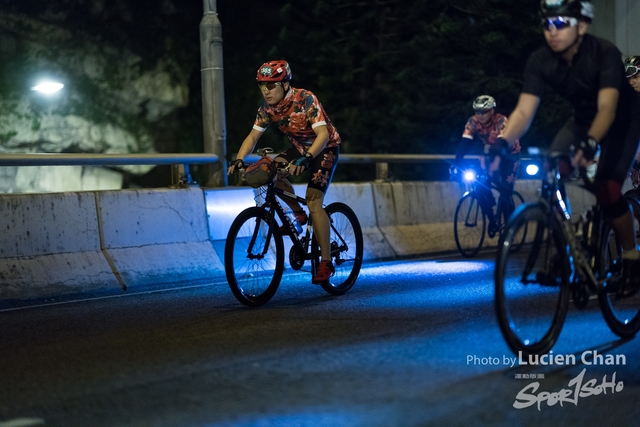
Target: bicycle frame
point(553, 194)
point(272, 205)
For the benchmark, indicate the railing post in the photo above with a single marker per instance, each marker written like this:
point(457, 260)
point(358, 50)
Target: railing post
point(382, 171)
point(213, 113)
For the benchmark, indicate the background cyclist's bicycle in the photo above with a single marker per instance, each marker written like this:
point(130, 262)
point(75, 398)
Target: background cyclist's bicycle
point(563, 261)
point(254, 252)
point(471, 220)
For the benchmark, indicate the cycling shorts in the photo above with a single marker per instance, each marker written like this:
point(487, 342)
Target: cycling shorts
point(321, 169)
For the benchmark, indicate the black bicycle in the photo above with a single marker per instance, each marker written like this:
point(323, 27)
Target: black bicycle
point(563, 261)
point(254, 251)
point(470, 223)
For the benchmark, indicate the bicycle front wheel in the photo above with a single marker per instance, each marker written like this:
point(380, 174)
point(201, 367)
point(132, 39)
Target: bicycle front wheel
point(622, 315)
point(347, 248)
point(254, 257)
point(532, 285)
point(518, 240)
point(469, 225)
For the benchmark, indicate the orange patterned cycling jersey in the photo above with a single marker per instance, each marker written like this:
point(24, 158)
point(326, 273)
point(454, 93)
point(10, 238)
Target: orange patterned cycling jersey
point(296, 116)
point(488, 133)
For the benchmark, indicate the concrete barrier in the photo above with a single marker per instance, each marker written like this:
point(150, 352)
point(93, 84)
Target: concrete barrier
point(50, 244)
point(157, 236)
point(76, 242)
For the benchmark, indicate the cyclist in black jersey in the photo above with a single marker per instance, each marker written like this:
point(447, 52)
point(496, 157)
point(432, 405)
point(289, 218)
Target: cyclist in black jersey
point(588, 72)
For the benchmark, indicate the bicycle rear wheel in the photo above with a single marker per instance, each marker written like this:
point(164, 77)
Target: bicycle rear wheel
point(254, 257)
point(347, 248)
point(469, 225)
point(532, 285)
point(622, 315)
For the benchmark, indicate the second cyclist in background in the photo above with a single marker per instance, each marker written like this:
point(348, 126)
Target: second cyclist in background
point(479, 137)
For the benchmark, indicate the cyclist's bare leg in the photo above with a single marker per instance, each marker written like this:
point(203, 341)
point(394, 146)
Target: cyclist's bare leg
point(283, 183)
point(315, 199)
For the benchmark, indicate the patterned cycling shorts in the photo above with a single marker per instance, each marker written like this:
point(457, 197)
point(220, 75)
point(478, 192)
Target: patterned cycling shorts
point(322, 166)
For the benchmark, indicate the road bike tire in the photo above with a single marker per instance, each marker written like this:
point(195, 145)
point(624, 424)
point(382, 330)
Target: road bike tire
point(518, 200)
point(347, 248)
point(469, 225)
point(254, 274)
point(622, 315)
point(532, 285)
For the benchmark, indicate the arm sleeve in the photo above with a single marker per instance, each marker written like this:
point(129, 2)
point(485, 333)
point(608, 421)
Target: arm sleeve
point(263, 119)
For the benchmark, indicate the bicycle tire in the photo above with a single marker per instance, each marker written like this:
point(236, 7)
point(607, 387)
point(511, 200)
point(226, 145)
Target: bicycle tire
point(347, 248)
point(469, 225)
point(254, 276)
point(532, 285)
point(518, 200)
point(622, 315)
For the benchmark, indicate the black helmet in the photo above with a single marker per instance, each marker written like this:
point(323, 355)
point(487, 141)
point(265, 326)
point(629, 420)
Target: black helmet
point(579, 9)
point(632, 66)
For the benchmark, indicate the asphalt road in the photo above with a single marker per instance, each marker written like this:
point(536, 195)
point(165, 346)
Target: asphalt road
point(414, 343)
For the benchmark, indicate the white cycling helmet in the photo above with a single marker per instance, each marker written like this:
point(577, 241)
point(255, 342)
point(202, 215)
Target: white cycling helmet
point(484, 103)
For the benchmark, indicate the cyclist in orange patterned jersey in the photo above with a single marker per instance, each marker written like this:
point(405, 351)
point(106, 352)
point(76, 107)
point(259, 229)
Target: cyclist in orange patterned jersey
point(315, 146)
point(485, 126)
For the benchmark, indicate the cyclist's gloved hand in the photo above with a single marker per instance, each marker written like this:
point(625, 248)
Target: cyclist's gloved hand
point(590, 148)
point(303, 162)
point(235, 165)
point(453, 173)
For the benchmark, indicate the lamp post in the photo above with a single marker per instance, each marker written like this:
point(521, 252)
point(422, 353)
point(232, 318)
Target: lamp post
point(213, 113)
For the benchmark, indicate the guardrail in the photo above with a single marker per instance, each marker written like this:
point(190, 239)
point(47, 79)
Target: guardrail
point(184, 160)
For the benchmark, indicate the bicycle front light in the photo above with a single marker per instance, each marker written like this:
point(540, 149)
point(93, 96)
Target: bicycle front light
point(532, 170)
point(469, 176)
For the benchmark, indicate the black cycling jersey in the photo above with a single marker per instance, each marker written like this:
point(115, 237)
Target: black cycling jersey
point(597, 65)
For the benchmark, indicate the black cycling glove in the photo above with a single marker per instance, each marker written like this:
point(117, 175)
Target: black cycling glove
point(590, 148)
point(237, 164)
point(304, 161)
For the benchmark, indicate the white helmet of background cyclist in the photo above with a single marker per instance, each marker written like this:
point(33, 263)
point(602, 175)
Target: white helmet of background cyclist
point(484, 102)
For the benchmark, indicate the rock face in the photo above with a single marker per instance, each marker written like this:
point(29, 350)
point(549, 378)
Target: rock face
point(111, 102)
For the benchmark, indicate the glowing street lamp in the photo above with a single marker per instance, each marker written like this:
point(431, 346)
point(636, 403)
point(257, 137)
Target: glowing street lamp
point(47, 87)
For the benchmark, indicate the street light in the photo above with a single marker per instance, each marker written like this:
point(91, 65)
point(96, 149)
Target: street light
point(47, 87)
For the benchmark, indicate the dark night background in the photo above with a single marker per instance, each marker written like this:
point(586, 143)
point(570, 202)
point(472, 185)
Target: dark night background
point(395, 76)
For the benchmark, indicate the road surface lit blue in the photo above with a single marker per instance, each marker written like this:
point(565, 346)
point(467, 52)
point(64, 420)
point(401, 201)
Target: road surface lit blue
point(414, 343)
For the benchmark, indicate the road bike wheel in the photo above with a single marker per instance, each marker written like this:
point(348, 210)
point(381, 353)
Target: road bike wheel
point(532, 285)
point(622, 315)
point(254, 257)
point(518, 240)
point(469, 225)
point(347, 248)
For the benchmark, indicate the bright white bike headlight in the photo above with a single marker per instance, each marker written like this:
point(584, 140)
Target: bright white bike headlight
point(532, 170)
point(469, 176)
